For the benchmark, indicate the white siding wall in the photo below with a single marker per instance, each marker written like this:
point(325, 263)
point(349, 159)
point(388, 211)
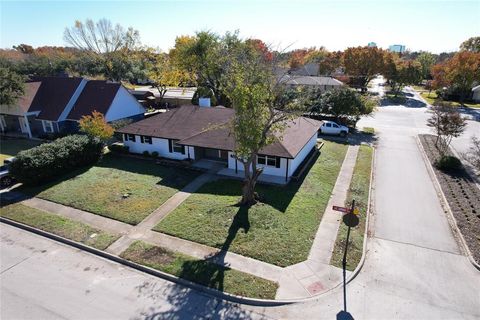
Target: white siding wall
point(293, 165)
point(274, 171)
point(159, 145)
point(476, 95)
point(124, 105)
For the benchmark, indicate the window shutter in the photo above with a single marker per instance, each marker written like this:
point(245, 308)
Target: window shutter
point(183, 149)
point(277, 162)
point(169, 145)
point(141, 139)
point(125, 137)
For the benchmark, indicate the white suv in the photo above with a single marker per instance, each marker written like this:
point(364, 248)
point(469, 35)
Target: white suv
point(330, 127)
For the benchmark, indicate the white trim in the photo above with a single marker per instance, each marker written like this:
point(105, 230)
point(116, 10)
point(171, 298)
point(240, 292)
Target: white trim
point(27, 124)
point(3, 124)
point(50, 124)
point(72, 101)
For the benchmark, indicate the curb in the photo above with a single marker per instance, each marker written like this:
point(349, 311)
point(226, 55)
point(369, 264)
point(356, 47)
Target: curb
point(215, 293)
point(445, 205)
point(359, 267)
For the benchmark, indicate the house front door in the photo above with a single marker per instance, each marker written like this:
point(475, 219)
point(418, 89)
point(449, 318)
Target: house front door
point(23, 125)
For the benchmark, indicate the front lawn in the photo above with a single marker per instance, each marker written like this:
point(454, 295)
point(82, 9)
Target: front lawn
point(279, 230)
point(432, 96)
point(10, 147)
point(121, 188)
point(359, 189)
point(61, 226)
point(200, 271)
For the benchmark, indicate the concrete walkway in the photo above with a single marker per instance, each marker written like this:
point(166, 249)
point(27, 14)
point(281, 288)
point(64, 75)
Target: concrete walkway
point(302, 280)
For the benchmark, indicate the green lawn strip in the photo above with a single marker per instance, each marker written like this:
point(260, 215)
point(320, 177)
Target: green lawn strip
point(200, 271)
point(121, 188)
point(279, 230)
point(10, 147)
point(61, 226)
point(359, 188)
point(432, 96)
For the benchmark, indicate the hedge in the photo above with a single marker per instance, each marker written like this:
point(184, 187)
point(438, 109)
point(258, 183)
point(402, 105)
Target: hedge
point(50, 160)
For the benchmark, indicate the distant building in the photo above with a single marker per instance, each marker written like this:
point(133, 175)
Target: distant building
point(398, 48)
point(372, 44)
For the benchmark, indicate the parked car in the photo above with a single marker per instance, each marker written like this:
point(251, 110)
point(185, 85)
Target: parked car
point(6, 180)
point(330, 127)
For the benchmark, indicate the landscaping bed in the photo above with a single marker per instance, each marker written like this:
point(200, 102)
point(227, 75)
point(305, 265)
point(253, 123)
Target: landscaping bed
point(121, 188)
point(200, 271)
point(358, 190)
point(279, 230)
point(61, 226)
point(463, 197)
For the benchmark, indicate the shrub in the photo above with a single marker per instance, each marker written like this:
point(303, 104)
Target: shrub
point(146, 153)
point(50, 160)
point(154, 154)
point(118, 148)
point(448, 163)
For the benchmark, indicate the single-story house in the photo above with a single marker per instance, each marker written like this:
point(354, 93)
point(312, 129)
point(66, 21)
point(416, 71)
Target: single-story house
point(144, 97)
point(322, 83)
point(476, 93)
point(55, 104)
point(196, 133)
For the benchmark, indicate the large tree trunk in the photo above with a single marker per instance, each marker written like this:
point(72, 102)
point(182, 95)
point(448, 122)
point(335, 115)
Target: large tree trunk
point(249, 196)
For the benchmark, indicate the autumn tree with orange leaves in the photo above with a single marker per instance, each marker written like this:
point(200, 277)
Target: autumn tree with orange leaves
point(95, 125)
point(460, 72)
point(363, 64)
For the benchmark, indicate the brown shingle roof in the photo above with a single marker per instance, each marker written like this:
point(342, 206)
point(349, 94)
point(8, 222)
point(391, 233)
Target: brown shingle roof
point(97, 95)
point(53, 96)
point(208, 128)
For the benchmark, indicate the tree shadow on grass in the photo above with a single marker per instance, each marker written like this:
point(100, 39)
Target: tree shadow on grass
point(190, 304)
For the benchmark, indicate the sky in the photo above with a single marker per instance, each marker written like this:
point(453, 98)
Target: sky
point(435, 26)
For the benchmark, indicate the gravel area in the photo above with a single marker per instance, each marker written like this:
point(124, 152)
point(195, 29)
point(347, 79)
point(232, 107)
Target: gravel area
point(462, 195)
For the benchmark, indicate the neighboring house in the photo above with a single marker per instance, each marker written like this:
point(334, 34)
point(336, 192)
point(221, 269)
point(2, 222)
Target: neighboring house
point(144, 97)
point(196, 133)
point(322, 83)
point(308, 69)
point(55, 104)
point(476, 93)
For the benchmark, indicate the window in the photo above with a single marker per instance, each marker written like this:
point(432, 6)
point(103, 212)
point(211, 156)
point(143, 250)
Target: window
point(145, 139)
point(328, 125)
point(47, 126)
point(334, 125)
point(269, 161)
point(3, 124)
point(174, 147)
point(129, 137)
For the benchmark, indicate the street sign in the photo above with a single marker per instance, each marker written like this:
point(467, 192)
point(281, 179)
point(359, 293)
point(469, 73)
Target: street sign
point(341, 209)
point(351, 220)
point(355, 211)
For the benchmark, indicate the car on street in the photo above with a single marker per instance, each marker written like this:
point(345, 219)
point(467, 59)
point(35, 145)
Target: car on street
point(330, 127)
point(6, 179)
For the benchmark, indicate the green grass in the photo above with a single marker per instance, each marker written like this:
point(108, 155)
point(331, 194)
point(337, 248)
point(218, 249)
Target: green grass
point(430, 97)
point(368, 130)
point(200, 271)
point(359, 188)
point(61, 226)
point(10, 147)
point(279, 230)
point(121, 188)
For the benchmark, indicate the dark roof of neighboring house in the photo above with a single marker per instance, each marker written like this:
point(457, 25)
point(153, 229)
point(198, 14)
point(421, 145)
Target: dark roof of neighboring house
point(209, 128)
point(97, 95)
point(53, 96)
point(25, 101)
point(141, 94)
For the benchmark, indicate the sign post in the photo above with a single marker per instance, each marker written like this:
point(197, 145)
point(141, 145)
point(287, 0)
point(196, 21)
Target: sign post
point(351, 220)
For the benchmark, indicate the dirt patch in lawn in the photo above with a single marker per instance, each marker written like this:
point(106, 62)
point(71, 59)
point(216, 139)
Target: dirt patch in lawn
point(155, 255)
point(463, 197)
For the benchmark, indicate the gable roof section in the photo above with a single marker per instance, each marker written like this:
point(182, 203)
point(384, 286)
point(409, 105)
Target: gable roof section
point(53, 96)
point(310, 81)
point(208, 128)
point(97, 95)
point(24, 102)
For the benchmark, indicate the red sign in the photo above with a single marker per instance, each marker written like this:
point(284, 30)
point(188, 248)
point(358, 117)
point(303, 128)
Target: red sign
point(341, 209)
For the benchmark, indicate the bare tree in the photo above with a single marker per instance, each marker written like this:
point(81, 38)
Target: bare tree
point(447, 123)
point(101, 37)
